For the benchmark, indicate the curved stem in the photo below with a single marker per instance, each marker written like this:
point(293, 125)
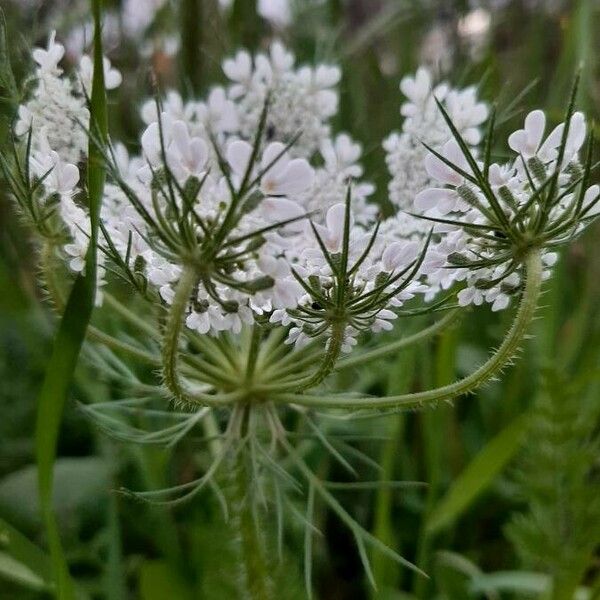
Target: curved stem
point(333, 352)
point(170, 348)
point(506, 351)
point(437, 327)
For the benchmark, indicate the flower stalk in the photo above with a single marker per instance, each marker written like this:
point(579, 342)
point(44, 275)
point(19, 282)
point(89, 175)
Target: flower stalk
point(504, 354)
point(245, 520)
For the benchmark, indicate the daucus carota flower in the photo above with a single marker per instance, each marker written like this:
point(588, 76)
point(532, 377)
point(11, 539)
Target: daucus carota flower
point(490, 215)
point(423, 126)
point(246, 228)
point(54, 107)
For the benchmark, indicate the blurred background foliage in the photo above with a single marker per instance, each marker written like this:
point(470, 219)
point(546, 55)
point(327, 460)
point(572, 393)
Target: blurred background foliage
point(512, 505)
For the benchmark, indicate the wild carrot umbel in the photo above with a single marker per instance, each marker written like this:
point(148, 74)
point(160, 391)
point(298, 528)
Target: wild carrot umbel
point(254, 261)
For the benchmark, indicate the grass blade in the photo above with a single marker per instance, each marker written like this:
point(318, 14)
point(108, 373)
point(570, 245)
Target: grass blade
point(71, 333)
point(478, 475)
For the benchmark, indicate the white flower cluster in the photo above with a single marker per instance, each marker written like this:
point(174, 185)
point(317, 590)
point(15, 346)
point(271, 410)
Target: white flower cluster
point(56, 115)
point(55, 111)
point(249, 188)
point(425, 125)
point(302, 100)
point(480, 253)
point(292, 219)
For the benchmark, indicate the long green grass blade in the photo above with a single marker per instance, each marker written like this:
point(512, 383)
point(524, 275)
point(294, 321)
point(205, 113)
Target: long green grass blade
point(71, 332)
point(478, 475)
point(33, 564)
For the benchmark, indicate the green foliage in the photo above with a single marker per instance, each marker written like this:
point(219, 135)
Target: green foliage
point(561, 526)
point(478, 475)
point(71, 332)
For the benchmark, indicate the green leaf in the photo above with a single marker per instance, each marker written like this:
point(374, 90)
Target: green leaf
point(21, 561)
point(478, 475)
point(79, 482)
point(71, 332)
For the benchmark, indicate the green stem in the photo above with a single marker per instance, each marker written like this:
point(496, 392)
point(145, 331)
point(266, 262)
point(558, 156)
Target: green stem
point(257, 583)
point(170, 348)
point(333, 352)
point(253, 350)
point(191, 58)
point(504, 354)
point(360, 359)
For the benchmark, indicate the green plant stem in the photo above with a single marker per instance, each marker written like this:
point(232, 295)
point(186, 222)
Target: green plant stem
point(191, 59)
point(257, 583)
point(170, 348)
point(502, 356)
point(420, 336)
point(253, 351)
point(328, 364)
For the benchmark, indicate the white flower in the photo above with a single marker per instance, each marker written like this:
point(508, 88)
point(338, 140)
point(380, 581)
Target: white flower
point(48, 59)
point(171, 105)
point(399, 255)
point(341, 155)
point(417, 89)
point(528, 141)
point(444, 200)
point(590, 201)
point(278, 12)
point(332, 233)
point(60, 177)
point(239, 70)
point(282, 176)
point(112, 77)
point(186, 156)
point(286, 290)
point(219, 113)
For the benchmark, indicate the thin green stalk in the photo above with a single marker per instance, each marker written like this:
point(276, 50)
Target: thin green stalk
point(191, 46)
point(328, 364)
point(170, 349)
point(253, 351)
point(502, 356)
point(245, 520)
point(420, 336)
point(435, 439)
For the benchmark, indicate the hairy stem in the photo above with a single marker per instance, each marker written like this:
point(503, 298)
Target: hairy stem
point(420, 336)
point(170, 348)
point(502, 356)
point(329, 360)
point(245, 520)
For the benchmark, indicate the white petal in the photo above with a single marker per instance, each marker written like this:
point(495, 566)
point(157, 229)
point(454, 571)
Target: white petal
point(238, 156)
point(535, 124)
point(297, 177)
point(69, 177)
point(432, 198)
